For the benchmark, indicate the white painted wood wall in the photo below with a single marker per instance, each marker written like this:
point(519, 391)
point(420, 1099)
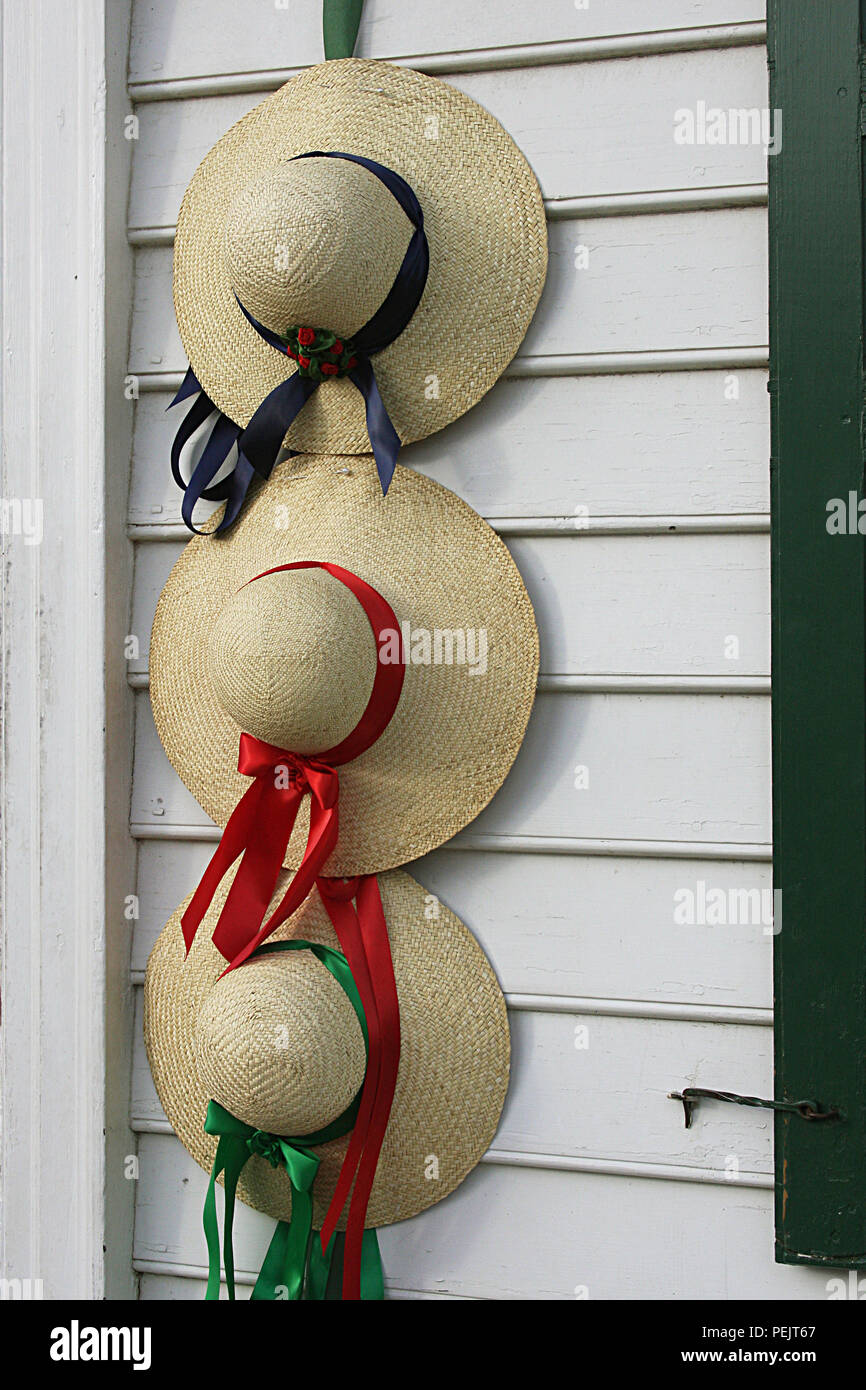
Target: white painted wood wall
point(66, 711)
point(634, 495)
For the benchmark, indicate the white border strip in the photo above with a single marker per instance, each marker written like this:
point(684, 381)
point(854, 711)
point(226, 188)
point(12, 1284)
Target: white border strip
point(612, 685)
point(620, 1168)
point(738, 853)
point(670, 1011)
point(658, 42)
point(526, 526)
point(735, 851)
point(654, 1009)
point(59, 931)
point(243, 1279)
point(577, 364)
point(746, 195)
point(568, 1163)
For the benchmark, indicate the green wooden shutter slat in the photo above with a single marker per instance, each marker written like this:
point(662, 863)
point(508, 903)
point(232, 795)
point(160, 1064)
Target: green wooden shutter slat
point(819, 623)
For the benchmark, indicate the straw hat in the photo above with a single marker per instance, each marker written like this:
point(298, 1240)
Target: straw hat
point(277, 1044)
point(291, 658)
point(319, 241)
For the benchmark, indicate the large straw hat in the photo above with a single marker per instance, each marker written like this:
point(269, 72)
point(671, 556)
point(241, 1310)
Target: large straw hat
point(291, 658)
point(277, 1044)
point(320, 241)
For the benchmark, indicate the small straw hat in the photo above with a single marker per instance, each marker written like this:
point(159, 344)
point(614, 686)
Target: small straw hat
point(291, 659)
point(277, 1044)
point(319, 241)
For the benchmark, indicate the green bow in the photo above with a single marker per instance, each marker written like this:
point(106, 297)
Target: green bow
point(295, 1263)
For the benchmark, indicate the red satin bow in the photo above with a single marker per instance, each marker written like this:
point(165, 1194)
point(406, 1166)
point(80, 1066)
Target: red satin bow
point(363, 936)
point(259, 829)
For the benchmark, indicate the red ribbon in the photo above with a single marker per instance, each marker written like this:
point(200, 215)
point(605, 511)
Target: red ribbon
point(261, 824)
point(259, 831)
point(363, 936)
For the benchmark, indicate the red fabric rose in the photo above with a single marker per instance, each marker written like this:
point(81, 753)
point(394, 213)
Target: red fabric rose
point(290, 352)
point(304, 361)
point(306, 336)
point(352, 362)
point(338, 347)
point(329, 369)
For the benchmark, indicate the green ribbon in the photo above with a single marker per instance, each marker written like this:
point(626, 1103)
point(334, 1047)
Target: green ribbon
point(295, 1266)
point(340, 21)
point(325, 1276)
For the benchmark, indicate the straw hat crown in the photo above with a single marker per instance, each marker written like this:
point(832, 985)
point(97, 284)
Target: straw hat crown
point(279, 1046)
point(292, 659)
point(314, 242)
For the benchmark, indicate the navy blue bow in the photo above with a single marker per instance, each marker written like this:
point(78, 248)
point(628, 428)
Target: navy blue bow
point(259, 444)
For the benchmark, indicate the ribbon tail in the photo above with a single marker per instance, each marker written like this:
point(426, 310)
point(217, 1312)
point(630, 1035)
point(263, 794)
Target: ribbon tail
point(263, 437)
point(372, 1275)
point(234, 841)
point(258, 445)
point(239, 482)
point(231, 1155)
point(383, 436)
point(283, 1269)
point(374, 937)
point(190, 386)
point(322, 839)
point(212, 1236)
point(300, 1236)
point(266, 831)
point(221, 440)
point(219, 445)
point(283, 1272)
point(344, 920)
point(192, 420)
point(325, 1270)
point(271, 1274)
point(258, 448)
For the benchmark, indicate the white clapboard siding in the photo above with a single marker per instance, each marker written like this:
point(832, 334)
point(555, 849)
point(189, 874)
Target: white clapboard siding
point(602, 928)
point(686, 768)
point(203, 37)
point(624, 459)
point(654, 444)
point(603, 603)
point(512, 1232)
point(670, 282)
point(586, 128)
point(587, 1085)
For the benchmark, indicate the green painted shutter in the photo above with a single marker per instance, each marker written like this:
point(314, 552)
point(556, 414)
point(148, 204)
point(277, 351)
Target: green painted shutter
point(819, 620)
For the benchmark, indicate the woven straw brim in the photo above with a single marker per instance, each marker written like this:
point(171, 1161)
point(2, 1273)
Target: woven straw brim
point(485, 225)
point(454, 1053)
point(440, 566)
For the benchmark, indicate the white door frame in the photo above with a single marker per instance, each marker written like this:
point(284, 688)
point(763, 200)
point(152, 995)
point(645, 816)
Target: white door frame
point(65, 1201)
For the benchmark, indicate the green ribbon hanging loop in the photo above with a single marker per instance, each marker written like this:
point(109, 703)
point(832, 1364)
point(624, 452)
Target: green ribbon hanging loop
point(340, 21)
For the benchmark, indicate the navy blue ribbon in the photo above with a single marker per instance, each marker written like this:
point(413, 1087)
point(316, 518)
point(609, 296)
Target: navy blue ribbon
point(259, 444)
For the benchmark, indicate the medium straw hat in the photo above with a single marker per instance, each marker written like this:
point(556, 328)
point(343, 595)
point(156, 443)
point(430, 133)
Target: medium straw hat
point(291, 658)
point(319, 241)
point(277, 1044)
